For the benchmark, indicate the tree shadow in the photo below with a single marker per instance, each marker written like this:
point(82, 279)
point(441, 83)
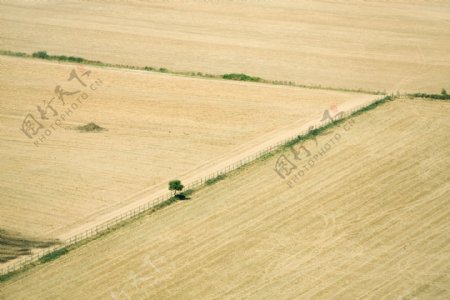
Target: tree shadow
point(182, 197)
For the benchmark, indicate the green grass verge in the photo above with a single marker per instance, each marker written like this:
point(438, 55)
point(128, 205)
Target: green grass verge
point(266, 156)
point(314, 133)
point(442, 96)
point(10, 275)
point(44, 55)
point(53, 255)
point(215, 179)
point(12, 53)
point(372, 106)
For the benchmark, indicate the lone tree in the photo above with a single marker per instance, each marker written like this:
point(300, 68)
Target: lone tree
point(175, 185)
point(444, 92)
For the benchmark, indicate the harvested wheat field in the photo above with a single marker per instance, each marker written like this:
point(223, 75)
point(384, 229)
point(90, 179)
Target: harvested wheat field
point(373, 45)
point(368, 220)
point(153, 128)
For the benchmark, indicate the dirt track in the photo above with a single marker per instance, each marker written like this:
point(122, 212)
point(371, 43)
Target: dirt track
point(369, 220)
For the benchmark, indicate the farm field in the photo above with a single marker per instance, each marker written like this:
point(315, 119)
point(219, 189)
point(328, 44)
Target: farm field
point(369, 219)
point(158, 126)
point(373, 45)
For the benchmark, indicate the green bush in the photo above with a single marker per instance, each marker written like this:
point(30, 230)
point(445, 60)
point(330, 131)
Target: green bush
point(41, 54)
point(240, 77)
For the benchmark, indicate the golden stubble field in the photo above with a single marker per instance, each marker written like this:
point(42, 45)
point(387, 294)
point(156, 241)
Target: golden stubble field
point(368, 220)
point(157, 127)
point(376, 45)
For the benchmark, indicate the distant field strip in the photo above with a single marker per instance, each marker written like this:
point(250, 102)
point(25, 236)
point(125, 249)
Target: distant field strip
point(370, 45)
point(236, 77)
point(369, 220)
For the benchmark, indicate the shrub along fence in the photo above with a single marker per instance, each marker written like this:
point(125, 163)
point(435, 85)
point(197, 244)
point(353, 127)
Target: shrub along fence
point(55, 251)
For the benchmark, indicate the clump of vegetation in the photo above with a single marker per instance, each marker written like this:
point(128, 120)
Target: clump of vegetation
point(163, 70)
point(53, 255)
point(442, 96)
point(41, 54)
point(176, 186)
point(215, 179)
point(240, 77)
point(45, 55)
point(91, 127)
point(12, 53)
point(7, 276)
point(68, 58)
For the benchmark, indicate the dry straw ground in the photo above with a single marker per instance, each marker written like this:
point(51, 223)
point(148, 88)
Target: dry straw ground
point(377, 45)
point(369, 220)
point(157, 127)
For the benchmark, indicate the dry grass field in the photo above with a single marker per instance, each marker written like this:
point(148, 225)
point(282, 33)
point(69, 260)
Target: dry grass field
point(369, 220)
point(158, 127)
point(377, 45)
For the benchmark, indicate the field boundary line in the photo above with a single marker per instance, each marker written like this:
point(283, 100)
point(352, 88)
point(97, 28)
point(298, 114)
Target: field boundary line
point(192, 74)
